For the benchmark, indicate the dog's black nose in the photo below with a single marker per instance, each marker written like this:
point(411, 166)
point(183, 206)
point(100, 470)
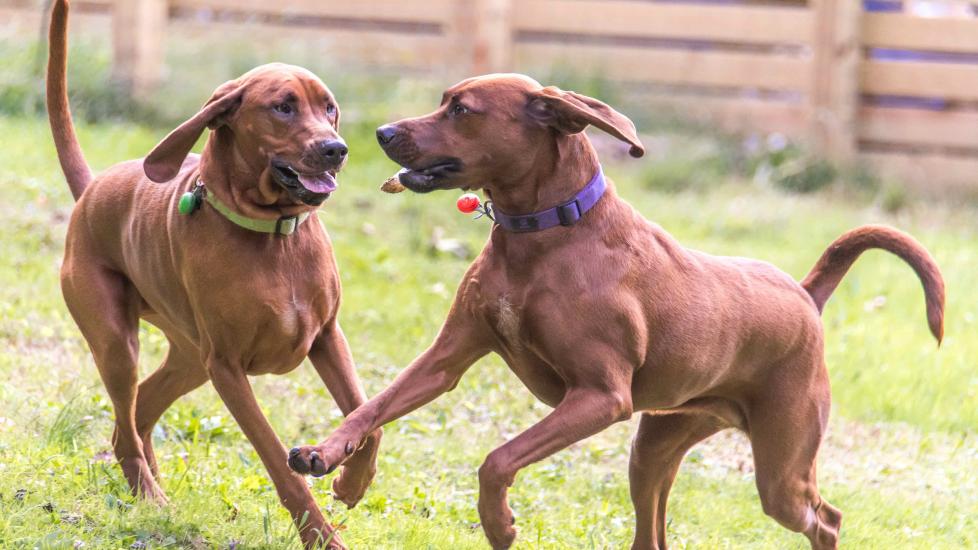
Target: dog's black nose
point(386, 133)
point(333, 149)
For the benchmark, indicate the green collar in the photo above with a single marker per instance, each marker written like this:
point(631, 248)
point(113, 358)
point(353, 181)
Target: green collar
point(286, 225)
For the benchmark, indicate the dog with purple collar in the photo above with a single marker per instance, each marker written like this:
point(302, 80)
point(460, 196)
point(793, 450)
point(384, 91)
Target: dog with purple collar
point(601, 313)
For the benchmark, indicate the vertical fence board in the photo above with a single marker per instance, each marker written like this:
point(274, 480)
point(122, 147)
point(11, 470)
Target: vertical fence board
point(740, 24)
point(481, 37)
point(834, 95)
point(138, 33)
point(495, 38)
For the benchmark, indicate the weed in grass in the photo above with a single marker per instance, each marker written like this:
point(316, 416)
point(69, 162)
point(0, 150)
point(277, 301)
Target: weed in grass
point(863, 179)
point(894, 198)
point(68, 426)
point(805, 174)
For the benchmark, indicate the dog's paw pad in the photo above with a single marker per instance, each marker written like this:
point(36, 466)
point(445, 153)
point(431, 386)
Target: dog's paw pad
point(297, 462)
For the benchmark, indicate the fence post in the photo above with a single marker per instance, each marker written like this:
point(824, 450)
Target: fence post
point(481, 35)
point(834, 95)
point(138, 32)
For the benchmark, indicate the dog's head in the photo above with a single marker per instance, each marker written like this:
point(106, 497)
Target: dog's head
point(280, 121)
point(490, 128)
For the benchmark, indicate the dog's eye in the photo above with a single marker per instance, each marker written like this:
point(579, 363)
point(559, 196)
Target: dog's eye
point(284, 108)
point(331, 109)
point(459, 109)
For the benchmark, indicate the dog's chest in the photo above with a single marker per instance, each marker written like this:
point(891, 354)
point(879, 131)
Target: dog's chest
point(286, 326)
point(508, 319)
point(268, 318)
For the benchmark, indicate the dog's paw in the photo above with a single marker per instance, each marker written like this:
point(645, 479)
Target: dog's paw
point(142, 483)
point(319, 460)
point(501, 537)
point(350, 486)
point(358, 472)
point(498, 520)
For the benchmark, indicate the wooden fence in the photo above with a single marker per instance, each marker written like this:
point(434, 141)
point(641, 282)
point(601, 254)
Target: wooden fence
point(897, 90)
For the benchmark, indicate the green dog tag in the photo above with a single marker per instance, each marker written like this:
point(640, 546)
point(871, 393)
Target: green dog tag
point(189, 202)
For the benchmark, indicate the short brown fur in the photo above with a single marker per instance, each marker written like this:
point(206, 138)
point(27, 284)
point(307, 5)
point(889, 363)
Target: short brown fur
point(231, 302)
point(612, 316)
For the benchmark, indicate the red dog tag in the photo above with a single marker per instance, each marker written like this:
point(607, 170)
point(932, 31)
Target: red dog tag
point(468, 203)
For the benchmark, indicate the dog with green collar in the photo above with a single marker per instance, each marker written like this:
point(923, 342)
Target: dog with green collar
point(239, 274)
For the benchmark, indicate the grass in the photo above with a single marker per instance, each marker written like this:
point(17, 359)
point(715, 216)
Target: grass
point(899, 459)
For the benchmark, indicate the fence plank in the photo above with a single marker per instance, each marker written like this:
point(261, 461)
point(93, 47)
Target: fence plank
point(735, 114)
point(680, 67)
point(494, 40)
point(919, 127)
point(920, 79)
point(429, 11)
point(739, 24)
point(418, 53)
point(138, 32)
point(887, 30)
point(834, 95)
point(27, 21)
point(92, 5)
point(481, 36)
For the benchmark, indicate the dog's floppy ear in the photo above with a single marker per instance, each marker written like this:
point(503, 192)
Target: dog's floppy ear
point(571, 113)
point(164, 161)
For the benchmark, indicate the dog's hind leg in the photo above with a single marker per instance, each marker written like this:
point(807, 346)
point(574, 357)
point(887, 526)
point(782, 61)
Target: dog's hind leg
point(181, 372)
point(105, 306)
point(786, 429)
point(660, 444)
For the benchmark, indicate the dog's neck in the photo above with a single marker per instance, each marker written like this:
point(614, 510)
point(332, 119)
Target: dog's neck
point(555, 175)
point(242, 183)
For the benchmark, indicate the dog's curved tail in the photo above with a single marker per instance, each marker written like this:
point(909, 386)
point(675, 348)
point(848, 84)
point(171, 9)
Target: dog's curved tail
point(840, 255)
point(73, 163)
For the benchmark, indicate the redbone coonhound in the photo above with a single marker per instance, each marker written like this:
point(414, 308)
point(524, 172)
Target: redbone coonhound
point(602, 313)
point(244, 283)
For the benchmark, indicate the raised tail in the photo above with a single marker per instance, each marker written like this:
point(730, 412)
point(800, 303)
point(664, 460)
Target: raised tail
point(840, 255)
point(73, 163)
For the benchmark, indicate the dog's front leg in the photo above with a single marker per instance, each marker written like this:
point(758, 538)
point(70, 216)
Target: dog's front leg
point(434, 372)
point(232, 385)
point(583, 412)
point(330, 355)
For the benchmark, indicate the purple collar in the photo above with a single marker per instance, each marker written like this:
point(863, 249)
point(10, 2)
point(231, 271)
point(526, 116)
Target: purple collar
point(565, 214)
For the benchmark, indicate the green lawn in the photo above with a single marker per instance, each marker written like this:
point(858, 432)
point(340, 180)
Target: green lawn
point(900, 459)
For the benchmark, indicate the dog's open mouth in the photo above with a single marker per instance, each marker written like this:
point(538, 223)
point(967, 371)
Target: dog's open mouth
point(427, 179)
point(309, 188)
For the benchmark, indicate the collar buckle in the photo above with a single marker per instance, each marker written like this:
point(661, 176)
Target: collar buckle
point(286, 225)
point(569, 213)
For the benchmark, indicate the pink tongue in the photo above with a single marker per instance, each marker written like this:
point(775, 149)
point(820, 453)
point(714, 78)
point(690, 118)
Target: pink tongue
point(321, 183)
